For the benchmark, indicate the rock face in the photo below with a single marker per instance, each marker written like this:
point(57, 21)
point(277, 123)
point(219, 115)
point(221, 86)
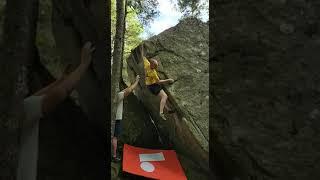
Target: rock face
point(266, 89)
point(183, 55)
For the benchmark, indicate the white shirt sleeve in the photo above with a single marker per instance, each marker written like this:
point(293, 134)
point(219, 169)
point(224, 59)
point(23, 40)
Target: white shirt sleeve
point(28, 155)
point(120, 96)
point(33, 109)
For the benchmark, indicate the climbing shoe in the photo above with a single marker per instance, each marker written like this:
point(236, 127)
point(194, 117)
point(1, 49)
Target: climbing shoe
point(170, 111)
point(116, 159)
point(162, 116)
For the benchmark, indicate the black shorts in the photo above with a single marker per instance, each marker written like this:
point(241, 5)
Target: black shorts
point(155, 88)
point(117, 128)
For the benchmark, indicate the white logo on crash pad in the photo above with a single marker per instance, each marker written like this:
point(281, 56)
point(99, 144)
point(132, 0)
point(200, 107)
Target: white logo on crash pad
point(145, 160)
point(146, 166)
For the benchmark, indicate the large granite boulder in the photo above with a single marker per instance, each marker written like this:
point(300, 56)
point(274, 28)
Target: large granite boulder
point(183, 55)
point(266, 89)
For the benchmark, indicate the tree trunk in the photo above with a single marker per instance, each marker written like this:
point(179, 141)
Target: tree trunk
point(18, 49)
point(117, 56)
point(123, 36)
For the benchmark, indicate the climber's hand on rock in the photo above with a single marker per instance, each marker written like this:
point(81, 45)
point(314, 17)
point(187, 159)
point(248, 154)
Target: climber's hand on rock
point(137, 78)
point(66, 71)
point(86, 53)
point(170, 81)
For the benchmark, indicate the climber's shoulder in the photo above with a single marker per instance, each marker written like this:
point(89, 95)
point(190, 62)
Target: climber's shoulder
point(121, 94)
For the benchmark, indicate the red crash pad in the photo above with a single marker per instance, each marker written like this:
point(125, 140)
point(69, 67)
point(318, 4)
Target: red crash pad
point(156, 164)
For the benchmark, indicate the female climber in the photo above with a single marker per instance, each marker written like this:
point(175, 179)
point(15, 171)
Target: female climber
point(153, 82)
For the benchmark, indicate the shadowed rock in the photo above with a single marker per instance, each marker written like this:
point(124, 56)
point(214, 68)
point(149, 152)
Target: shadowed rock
point(266, 89)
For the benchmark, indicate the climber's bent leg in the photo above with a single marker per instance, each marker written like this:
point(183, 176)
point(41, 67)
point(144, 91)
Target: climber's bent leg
point(163, 100)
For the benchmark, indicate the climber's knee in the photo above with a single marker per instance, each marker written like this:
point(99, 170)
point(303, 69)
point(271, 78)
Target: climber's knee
point(163, 95)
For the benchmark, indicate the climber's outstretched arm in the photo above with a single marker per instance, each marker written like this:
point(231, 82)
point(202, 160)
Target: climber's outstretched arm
point(129, 89)
point(48, 88)
point(61, 90)
point(165, 81)
point(55, 83)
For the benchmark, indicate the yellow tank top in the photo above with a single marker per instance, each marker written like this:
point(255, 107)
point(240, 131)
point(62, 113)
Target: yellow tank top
point(151, 74)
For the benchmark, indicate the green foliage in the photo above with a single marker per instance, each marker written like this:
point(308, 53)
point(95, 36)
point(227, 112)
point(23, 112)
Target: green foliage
point(192, 7)
point(146, 10)
point(113, 23)
point(133, 28)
